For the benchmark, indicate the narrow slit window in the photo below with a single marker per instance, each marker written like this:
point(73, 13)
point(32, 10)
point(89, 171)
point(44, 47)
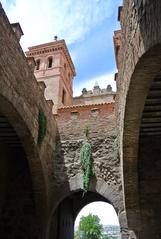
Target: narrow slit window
point(65, 66)
point(50, 62)
point(38, 64)
point(63, 96)
point(95, 111)
point(74, 114)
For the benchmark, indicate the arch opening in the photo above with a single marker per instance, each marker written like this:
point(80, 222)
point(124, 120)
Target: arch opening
point(141, 146)
point(38, 64)
point(107, 216)
point(50, 62)
point(64, 216)
point(149, 163)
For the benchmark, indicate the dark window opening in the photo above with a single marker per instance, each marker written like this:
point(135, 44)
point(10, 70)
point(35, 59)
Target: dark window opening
point(65, 66)
point(50, 62)
point(74, 114)
point(38, 64)
point(63, 96)
point(95, 111)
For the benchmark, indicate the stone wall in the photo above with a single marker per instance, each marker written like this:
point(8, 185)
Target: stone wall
point(68, 182)
point(101, 121)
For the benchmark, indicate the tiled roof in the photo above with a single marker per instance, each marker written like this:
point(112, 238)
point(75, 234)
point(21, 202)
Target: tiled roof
point(85, 105)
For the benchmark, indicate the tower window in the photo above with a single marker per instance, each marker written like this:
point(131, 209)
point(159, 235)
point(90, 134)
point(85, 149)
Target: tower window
point(65, 66)
point(63, 96)
point(50, 62)
point(38, 64)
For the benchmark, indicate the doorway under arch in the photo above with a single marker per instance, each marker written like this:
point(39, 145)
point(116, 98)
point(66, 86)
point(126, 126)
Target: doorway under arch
point(64, 216)
point(107, 216)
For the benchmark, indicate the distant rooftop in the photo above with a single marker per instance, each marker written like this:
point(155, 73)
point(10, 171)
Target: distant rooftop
point(97, 91)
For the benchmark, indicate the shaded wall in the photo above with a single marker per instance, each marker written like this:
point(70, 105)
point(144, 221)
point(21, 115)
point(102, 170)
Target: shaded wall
point(149, 186)
point(139, 61)
point(21, 98)
point(18, 217)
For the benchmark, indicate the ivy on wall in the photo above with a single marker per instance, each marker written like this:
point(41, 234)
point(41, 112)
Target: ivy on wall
point(42, 121)
point(86, 161)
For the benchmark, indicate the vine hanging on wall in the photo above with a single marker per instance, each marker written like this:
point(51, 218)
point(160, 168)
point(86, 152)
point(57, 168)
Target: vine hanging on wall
point(42, 126)
point(86, 161)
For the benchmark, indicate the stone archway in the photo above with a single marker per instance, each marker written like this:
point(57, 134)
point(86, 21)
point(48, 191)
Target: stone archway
point(141, 81)
point(68, 201)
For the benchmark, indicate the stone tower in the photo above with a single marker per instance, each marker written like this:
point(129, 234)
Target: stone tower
point(55, 68)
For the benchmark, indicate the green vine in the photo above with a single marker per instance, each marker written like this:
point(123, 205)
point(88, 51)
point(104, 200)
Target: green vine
point(42, 126)
point(86, 161)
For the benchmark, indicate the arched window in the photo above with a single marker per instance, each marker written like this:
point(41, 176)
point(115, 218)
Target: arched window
point(38, 64)
point(50, 62)
point(63, 96)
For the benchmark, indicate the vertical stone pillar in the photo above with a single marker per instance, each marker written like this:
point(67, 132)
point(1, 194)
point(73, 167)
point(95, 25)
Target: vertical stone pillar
point(128, 234)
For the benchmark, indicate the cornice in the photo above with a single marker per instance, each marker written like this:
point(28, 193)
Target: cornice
point(110, 104)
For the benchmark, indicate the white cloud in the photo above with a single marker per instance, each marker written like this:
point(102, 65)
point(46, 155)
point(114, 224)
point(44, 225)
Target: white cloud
point(103, 81)
point(69, 19)
point(105, 212)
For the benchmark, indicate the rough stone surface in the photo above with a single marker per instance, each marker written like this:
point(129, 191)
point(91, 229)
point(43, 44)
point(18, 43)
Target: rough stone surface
point(103, 141)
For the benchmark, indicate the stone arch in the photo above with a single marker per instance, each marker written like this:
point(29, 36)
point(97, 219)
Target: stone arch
point(145, 71)
point(99, 191)
point(17, 120)
point(38, 63)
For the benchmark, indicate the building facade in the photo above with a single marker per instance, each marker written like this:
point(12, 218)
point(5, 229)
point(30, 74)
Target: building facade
point(55, 68)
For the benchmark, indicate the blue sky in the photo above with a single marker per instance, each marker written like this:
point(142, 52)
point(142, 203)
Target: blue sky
point(86, 25)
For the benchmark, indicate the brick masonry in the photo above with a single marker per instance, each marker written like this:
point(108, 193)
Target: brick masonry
point(21, 97)
point(138, 61)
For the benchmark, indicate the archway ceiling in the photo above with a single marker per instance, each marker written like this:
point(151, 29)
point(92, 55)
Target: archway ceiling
point(7, 133)
point(151, 117)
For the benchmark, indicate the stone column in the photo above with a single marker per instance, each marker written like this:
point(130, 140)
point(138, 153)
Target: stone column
point(128, 234)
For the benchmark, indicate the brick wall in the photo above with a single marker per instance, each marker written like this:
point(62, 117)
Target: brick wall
point(139, 62)
point(21, 97)
point(72, 120)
